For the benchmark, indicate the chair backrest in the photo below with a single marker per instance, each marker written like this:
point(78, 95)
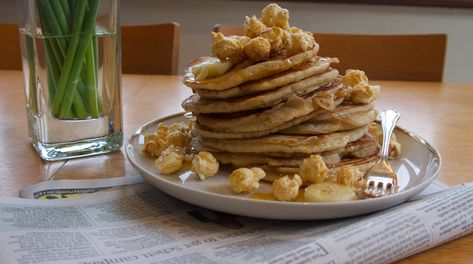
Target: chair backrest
point(229, 30)
point(383, 57)
point(147, 49)
point(10, 56)
point(151, 49)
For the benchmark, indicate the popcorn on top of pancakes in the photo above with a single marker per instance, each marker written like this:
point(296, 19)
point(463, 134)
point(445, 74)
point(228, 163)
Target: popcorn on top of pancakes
point(265, 38)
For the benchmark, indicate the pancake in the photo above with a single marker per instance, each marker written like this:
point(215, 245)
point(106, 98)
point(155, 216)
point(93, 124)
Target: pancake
point(343, 110)
point(310, 68)
point(321, 121)
point(366, 146)
point(328, 122)
point(208, 133)
point(295, 107)
point(198, 105)
point(286, 143)
point(237, 76)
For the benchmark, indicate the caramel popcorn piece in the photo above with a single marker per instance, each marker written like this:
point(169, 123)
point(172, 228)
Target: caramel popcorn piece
point(154, 145)
point(162, 130)
point(178, 138)
point(246, 180)
point(362, 92)
point(275, 16)
point(229, 48)
point(253, 27)
point(354, 78)
point(176, 134)
point(313, 169)
point(258, 49)
point(296, 30)
point(277, 37)
point(300, 41)
point(285, 188)
point(205, 165)
point(171, 160)
point(349, 176)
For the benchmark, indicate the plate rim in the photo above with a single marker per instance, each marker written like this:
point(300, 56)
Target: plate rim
point(421, 186)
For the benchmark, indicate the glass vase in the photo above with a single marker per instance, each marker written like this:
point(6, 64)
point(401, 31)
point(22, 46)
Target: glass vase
point(72, 72)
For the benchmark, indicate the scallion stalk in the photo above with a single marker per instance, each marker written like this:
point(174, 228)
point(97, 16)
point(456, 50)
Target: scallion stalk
point(71, 57)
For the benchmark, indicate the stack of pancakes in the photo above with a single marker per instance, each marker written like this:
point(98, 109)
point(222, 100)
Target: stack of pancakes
point(274, 114)
point(275, 109)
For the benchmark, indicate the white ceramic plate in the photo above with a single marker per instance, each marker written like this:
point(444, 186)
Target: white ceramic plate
point(417, 167)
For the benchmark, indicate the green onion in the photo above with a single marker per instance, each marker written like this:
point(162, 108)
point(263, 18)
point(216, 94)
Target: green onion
point(71, 57)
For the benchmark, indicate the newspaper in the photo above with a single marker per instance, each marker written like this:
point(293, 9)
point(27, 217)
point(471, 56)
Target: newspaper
point(140, 224)
point(59, 189)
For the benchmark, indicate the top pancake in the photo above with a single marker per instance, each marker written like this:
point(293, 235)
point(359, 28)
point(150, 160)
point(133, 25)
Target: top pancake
point(315, 66)
point(257, 71)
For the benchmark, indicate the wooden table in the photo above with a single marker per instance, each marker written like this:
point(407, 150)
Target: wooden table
point(441, 113)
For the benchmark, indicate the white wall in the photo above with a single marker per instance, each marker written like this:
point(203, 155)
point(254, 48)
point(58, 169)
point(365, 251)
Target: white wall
point(197, 18)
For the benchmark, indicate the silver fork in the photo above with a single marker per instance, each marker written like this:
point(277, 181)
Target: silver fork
point(381, 179)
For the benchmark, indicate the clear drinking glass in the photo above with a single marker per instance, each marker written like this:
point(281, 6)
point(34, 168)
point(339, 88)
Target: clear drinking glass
point(72, 71)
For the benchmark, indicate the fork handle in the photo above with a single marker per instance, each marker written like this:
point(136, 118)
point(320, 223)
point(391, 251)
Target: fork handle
point(389, 118)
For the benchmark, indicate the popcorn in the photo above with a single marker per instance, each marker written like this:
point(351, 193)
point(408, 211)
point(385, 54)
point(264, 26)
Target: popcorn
point(354, 78)
point(296, 30)
point(258, 49)
point(300, 41)
point(229, 48)
point(205, 165)
point(177, 134)
point(277, 37)
point(362, 92)
point(171, 160)
point(178, 138)
point(246, 180)
point(154, 145)
point(253, 27)
point(313, 169)
point(273, 26)
point(349, 176)
point(285, 188)
point(275, 16)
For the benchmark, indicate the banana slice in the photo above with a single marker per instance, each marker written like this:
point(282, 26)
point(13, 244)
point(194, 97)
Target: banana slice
point(210, 68)
point(328, 192)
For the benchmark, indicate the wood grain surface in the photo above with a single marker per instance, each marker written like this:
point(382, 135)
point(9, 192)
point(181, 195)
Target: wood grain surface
point(441, 113)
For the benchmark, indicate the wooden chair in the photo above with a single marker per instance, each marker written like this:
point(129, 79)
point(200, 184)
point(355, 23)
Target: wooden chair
point(151, 49)
point(10, 55)
point(146, 49)
point(382, 57)
point(229, 30)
